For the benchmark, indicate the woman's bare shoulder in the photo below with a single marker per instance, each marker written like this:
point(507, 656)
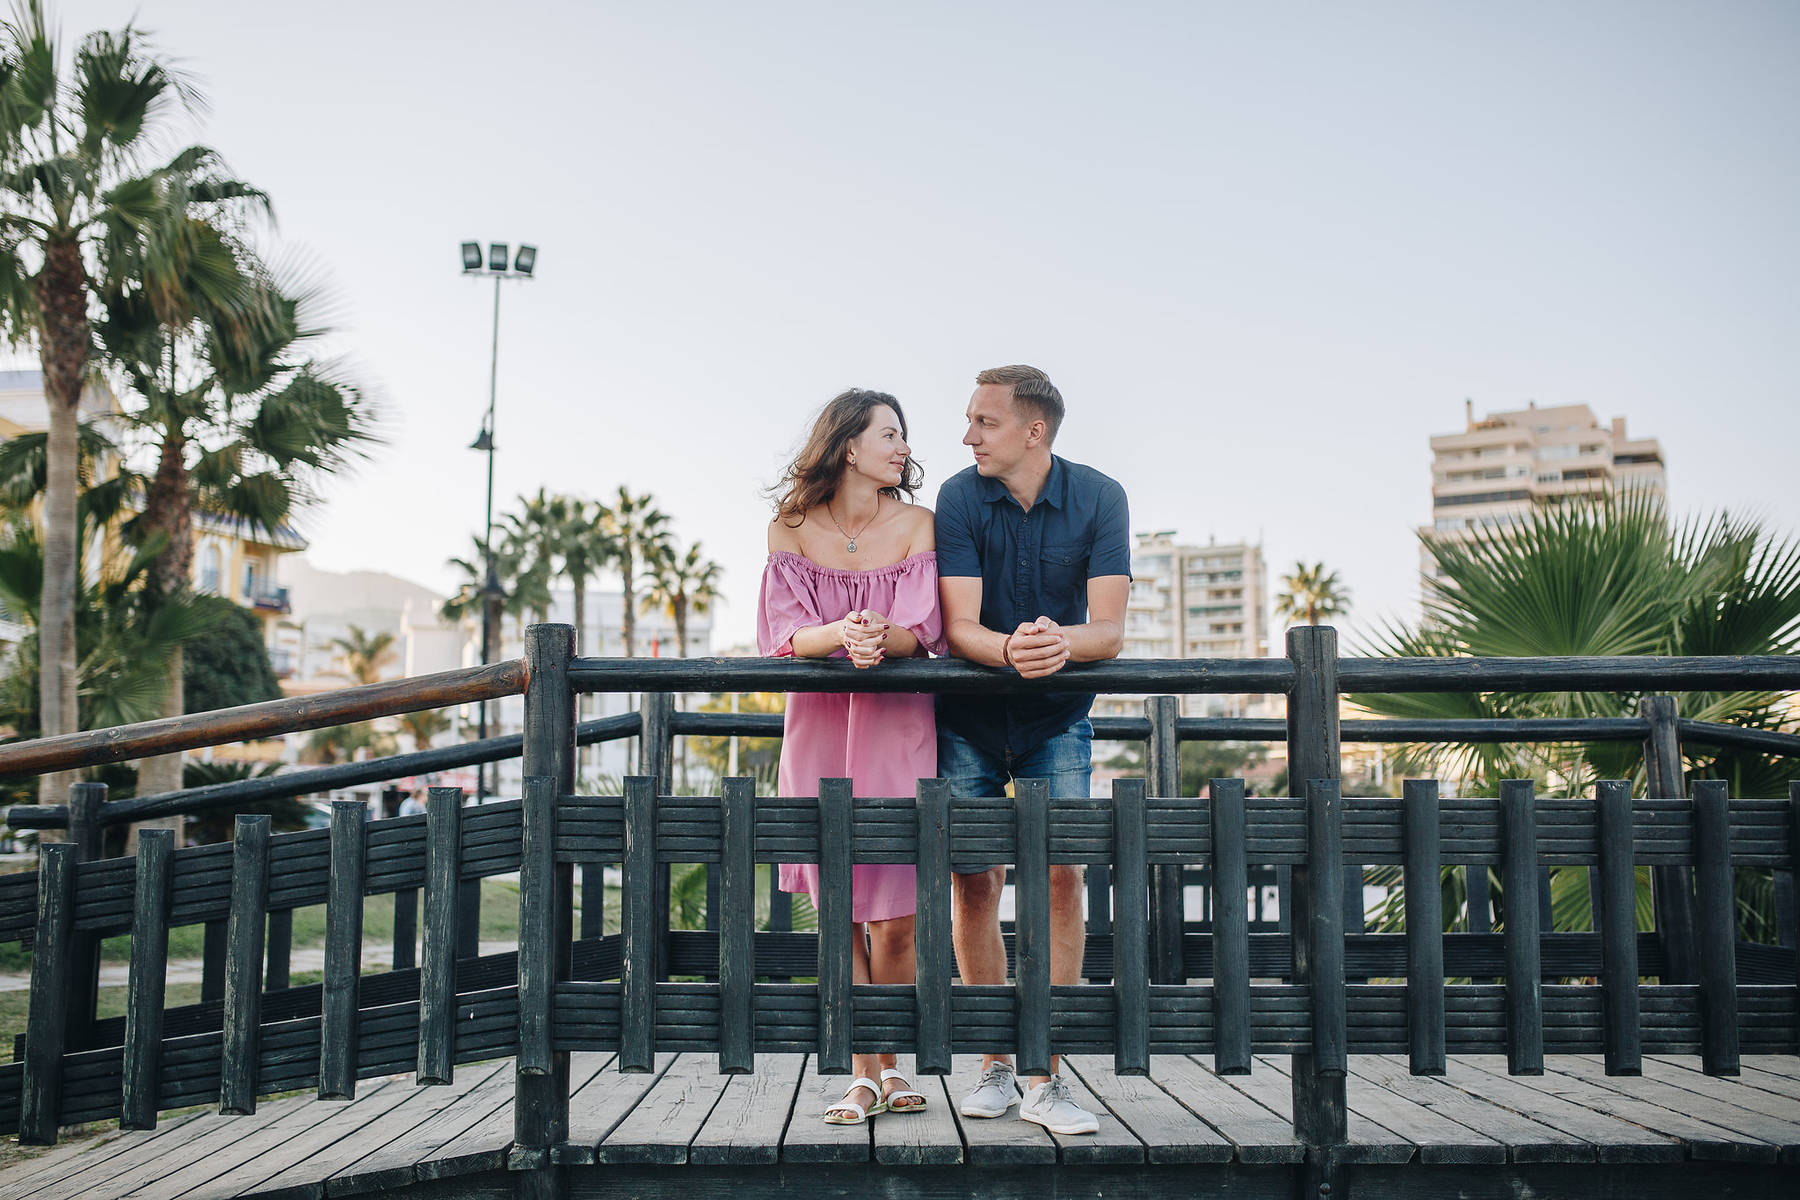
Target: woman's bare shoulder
point(921, 529)
point(784, 534)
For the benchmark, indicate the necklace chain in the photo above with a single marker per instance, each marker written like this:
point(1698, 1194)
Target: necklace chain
point(848, 536)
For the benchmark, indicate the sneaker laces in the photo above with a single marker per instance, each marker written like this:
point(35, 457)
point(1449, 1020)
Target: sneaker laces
point(1057, 1091)
point(999, 1075)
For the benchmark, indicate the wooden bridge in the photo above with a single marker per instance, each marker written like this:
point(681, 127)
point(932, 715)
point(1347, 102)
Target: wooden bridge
point(1223, 1059)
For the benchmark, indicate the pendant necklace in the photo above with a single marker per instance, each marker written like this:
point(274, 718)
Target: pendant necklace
point(851, 537)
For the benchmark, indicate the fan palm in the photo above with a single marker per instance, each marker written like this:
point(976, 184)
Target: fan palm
point(127, 640)
point(586, 549)
point(639, 531)
point(79, 213)
point(1311, 594)
point(1602, 576)
point(241, 426)
point(423, 726)
point(677, 584)
point(365, 654)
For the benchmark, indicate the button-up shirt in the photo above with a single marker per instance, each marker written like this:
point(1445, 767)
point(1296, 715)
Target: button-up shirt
point(1031, 563)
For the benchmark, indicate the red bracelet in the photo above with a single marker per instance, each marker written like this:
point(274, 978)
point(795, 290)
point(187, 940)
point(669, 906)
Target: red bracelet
point(1006, 651)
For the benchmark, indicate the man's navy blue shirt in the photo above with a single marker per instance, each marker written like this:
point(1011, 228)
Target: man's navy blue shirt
point(1031, 564)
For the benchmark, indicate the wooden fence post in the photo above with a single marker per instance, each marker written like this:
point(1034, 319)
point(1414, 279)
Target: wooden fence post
point(1230, 929)
point(87, 835)
point(736, 923)
point(935, 958)
point(1131, 928)
point(1321, 1119)
point(145, 986)
point(1521, 934)
point(1167, 910)
point(1616, 919)
point(1717, 926)
point(1671, 887)
point(837, 997)
point(655, 753)
point(1031, 944)
point(340, 995)
point(46, 1023)
point(1423, 853)
point(437, 963)
point(537, 927)
point(541, 1102)
point(242, 1049)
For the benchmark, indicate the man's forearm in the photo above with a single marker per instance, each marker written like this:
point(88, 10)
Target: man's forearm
point(1095, 641)
point(977, 643)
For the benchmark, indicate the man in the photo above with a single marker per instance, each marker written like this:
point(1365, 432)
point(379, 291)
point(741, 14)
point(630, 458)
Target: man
point(1034, 563)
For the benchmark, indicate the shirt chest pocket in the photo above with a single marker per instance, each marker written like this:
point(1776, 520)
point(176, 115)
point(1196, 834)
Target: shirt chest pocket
point(1065, 571)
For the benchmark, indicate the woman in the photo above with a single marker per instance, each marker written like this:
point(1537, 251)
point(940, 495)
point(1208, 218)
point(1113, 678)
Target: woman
point(852, 572)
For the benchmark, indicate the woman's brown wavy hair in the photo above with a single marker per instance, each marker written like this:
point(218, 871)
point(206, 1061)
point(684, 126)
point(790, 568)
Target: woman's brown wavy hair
point(812, 477)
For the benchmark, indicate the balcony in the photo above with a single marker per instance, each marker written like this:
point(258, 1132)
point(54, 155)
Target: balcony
point(283, 662)
point(273, 600)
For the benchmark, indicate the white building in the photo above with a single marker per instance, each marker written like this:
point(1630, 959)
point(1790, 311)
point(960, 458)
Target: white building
point(1492, 471)
point(1190, 601)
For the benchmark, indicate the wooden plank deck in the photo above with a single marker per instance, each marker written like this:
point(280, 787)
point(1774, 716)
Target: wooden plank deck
point(1475, 1131)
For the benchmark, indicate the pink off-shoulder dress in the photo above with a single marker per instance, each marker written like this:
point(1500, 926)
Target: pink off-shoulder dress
point(884, 744)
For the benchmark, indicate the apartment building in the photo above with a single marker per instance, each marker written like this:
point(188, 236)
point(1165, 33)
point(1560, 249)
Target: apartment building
point(1208, 601)
point(1495, 469)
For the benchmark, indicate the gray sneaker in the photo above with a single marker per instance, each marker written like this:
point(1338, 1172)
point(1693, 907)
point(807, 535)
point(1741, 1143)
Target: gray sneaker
point(995, 1092)
point(1053, 1106)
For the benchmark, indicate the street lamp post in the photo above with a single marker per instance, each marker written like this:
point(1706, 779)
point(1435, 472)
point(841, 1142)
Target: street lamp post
point(493, 596)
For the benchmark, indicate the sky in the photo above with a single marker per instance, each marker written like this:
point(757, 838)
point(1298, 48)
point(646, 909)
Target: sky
point(1265, 250)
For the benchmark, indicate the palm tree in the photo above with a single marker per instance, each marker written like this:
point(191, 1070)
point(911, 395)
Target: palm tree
point(366, 653)
point(586, 548)
point(76, 218)
point(677, 585)
point(240, 427)
point(1603, 576)
point(122, 677)
point(1311, 594)
point(423, 726)
point(639, 531)
point(531, 539)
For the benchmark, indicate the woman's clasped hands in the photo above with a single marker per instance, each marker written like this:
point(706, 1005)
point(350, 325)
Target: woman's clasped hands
point(865, 635)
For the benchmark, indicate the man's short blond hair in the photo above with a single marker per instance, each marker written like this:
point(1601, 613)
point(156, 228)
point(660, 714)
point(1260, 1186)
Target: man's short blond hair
point(1032, 392)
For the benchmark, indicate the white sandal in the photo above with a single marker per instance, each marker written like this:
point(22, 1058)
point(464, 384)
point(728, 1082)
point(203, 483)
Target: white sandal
point(862, 1114)
point(902, 1093)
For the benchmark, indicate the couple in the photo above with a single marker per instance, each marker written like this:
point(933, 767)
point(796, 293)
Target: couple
point(1026, 568)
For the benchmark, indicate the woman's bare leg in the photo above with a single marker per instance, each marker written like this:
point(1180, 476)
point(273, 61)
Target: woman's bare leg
point(893, 959)
point(865, 1066)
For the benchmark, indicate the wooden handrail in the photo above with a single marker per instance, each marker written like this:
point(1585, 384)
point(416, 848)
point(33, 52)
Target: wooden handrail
point(269, 719)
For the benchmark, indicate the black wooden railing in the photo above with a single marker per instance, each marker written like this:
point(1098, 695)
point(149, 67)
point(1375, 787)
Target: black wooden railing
point(1296, 993)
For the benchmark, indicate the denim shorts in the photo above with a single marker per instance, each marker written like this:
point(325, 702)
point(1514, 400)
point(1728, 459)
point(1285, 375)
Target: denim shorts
point(1065, 761)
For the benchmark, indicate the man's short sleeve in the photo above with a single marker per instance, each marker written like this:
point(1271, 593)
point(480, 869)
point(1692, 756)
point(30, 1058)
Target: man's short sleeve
point(1112, 535)
point(956, 551)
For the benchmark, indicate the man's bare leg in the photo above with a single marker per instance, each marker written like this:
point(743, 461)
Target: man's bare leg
point(1068, 935)
point(975, 933)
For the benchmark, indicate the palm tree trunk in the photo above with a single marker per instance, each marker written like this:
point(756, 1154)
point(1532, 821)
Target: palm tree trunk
point(680, 607)
point(628, 620)
point(168, 509)
point(61, 288)
point(162, 773)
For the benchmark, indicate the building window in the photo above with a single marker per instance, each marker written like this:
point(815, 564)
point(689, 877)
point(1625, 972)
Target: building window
point(211, 567)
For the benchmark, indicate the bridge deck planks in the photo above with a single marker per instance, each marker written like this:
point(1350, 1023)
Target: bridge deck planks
point(919, 1139)
point(687, 1117)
